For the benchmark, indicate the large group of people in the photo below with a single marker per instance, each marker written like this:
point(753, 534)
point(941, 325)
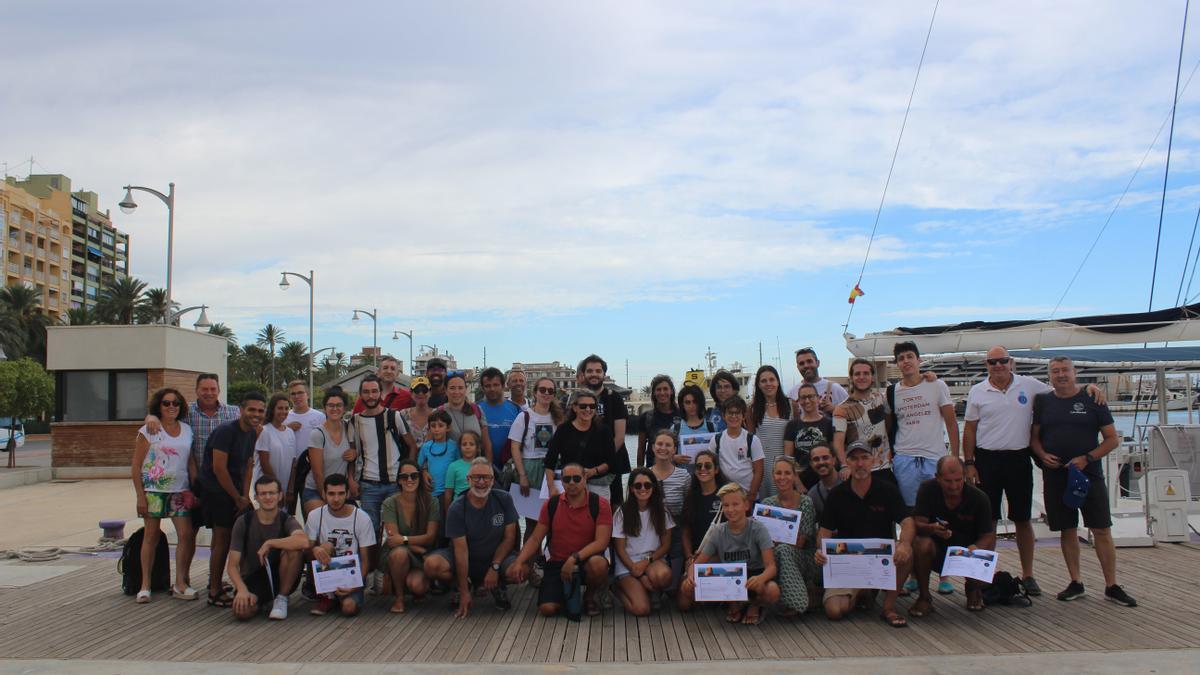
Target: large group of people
point(419, 483)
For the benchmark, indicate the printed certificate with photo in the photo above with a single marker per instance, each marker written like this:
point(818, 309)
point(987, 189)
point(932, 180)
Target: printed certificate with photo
point(783, 524)
point(978, 564)
point(720, 582)
point(544, 493)
point(692, 444)
point(859, 563)
point(341, 572)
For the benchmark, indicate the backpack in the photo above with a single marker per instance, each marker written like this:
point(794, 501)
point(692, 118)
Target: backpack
point(749, 443)
point(509, 474)
point(1007, 590)
point(552, 506)
point(891, 403)
point(130, 564)
point(678, 425)
point(246, 529)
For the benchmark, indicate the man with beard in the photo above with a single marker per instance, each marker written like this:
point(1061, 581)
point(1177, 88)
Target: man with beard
point(610, 412)
point(396, 397)
point(863, 418)
point(384, 439)
point(265, 555)
point(830, 394)
point(482, 528)
point(824, 466)
point(435, 370)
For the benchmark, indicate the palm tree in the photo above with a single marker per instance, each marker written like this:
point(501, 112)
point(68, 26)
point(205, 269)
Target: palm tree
point(249, 363)
point(270, 336)
point(153, 307)
point(25, 333)
point(293, 360)
point(122, 299)
point(334, 366)
point(222, 330)
point(81, 316)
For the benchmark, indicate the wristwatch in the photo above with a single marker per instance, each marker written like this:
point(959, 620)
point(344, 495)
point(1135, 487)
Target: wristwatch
point(968, 462)
point(495, 567)
point(405, 540)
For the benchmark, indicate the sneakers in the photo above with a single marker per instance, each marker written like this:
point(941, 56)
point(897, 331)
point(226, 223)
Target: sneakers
point(909, 587)
point(500, 596)
point(279, 608)
point(535, 577)
point(324, 606)
point(944, 587)
point(1031, 587)
point(1118, 595)
point(1073, 591)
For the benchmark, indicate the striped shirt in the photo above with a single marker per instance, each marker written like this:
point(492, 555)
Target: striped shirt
point(202, 425)
point(674, 489)
point(770, 432)
point(380, 451)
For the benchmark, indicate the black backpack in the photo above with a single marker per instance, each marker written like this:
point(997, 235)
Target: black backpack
point(1007, 590)
point(552, 506)
point(130, 564)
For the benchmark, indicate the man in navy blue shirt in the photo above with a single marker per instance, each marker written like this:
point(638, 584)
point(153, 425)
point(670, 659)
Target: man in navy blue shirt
point(1066, 424)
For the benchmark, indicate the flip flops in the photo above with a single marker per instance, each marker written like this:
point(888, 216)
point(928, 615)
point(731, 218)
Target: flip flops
point(894, 620)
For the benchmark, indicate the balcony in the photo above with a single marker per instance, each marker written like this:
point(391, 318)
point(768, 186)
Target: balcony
point(54, 302)
point(14, 268)
point(54, 234)
point(53, 257)
point(39, 276)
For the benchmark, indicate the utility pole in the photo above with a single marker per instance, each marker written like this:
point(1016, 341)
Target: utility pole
point(626, 373)
point(485, 356)
point(760, 353)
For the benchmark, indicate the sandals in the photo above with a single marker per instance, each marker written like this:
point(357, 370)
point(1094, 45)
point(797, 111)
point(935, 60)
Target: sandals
point(922, 607)
point(142, 598)
point(894, 620)
point(221, 600)
point(735, 614)
point(975, 601)
point(759, 613)
point(188, 593)
point(397, 609)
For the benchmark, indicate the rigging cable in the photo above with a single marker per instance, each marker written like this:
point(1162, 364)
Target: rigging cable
point(895, 153)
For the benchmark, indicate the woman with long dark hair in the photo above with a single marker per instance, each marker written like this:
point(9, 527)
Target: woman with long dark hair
point(275, 449)
point(641, 538)
point(464, 415)
point(769, 414)
point(664, 415)
point(701, 504)
point(410, 518)
point(695, 429)
point(160, 480)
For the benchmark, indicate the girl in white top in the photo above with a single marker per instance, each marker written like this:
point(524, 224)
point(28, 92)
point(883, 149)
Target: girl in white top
point(275, 449)
point(641, 539)
point(160, 480)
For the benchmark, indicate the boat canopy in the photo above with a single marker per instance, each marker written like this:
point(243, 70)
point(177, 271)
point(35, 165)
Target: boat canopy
point(1164, 325)
point(1089, 362)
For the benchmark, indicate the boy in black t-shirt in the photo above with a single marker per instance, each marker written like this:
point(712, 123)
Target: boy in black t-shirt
point(1066, 423)
point(266, 533)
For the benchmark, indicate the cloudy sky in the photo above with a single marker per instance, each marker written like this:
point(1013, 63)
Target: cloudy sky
point(644, 180)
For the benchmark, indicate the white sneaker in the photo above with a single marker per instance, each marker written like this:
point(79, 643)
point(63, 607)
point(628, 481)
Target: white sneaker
point(279, 608)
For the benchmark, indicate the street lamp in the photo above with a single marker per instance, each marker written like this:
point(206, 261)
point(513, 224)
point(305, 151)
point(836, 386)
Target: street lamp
point(129, 206)
point(201, 324)
point(284, 285)
point(408, 334)
point(374, 330)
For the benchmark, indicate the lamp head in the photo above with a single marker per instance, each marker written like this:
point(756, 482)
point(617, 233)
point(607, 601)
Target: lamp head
point(203, 323)
point(283, 283)
point(127, 204)
point(355, 317)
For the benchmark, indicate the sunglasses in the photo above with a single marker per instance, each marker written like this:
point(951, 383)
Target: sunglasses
point(586, 406)
point(572, 479)
point(409, 476)
point(705, 466)
point(805, 397)
point(169, 403)
point(998, 362)
point(545, 390)
point(642, 485)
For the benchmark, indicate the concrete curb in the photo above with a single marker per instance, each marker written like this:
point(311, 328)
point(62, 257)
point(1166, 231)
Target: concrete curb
point(10, 478)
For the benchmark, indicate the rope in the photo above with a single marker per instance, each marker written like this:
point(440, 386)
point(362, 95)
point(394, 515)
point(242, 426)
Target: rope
point(40, 554)
point(895, 154)
point(1167, 171)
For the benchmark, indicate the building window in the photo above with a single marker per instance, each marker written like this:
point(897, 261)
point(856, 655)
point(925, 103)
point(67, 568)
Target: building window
point(101, 395)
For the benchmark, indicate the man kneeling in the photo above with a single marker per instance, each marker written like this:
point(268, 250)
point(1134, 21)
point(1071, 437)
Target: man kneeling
point(949, 513)
point(265, 555)
point(577, 527)
point(865, 507)
point(338, 529)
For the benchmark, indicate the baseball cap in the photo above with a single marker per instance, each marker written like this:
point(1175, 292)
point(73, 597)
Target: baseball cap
point(419, 381)
point(857, 446)
point(435, 363)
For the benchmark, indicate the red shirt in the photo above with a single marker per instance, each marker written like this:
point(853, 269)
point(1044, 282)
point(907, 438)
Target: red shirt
point(573, 526)
point(398, 398)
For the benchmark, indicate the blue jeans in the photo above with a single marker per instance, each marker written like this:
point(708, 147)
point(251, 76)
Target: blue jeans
point(910, 473)
point(373, 496)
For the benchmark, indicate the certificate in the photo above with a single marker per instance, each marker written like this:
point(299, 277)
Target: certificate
point(692, 444)
point(528, 507)
point(783, 524)
point(859, 563)
point(978, 564)
point(544, 493)
point(341, 572)
point(720, 582)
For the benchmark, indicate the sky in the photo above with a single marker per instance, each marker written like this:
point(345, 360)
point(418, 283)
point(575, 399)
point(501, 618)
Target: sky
point(643, 180)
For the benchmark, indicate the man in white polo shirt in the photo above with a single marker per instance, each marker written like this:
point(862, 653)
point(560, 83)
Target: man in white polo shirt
point(832, 394)
point(996, 450)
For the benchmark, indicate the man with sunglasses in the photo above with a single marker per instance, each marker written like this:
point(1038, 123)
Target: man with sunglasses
point(995, 445)
point(482, 528)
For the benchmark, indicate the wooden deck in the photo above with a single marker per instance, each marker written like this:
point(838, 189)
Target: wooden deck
point(83, 615)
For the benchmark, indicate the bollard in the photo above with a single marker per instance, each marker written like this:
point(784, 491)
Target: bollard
point(113, 529)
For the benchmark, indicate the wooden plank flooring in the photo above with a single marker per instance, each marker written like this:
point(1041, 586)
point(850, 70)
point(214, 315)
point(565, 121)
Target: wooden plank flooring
point(83, 615)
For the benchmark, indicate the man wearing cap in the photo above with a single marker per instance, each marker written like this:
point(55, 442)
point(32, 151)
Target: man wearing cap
point(396, 397)
point(435, 370)
point(1066, 423)
point(866, 507)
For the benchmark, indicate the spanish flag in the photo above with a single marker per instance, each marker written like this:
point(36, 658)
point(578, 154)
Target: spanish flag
point(857, 292)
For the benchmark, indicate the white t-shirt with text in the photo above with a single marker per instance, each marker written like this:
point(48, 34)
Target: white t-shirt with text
point(348, 533)
point(920, 429)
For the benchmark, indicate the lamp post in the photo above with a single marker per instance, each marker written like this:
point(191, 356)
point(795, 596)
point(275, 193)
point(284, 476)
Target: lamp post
point(129, 206)
point(284, 285)
point(408, 334)
point(374, 331)
point(201, 324)
point(324, 349)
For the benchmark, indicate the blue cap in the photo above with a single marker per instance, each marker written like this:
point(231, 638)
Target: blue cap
point(1078, 485)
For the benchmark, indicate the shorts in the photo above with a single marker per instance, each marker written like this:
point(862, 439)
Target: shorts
point(416, 560)
point(357, 595)
point(169, 504)
point(1060, 517)
point(1008, 473)
point(551, 593)
point(310, 495)
point(219, 508)
point(837, 592)
point(258, 584)
point(535, 471)
point(910, 472)
point(476, 571)
point(373, 496)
